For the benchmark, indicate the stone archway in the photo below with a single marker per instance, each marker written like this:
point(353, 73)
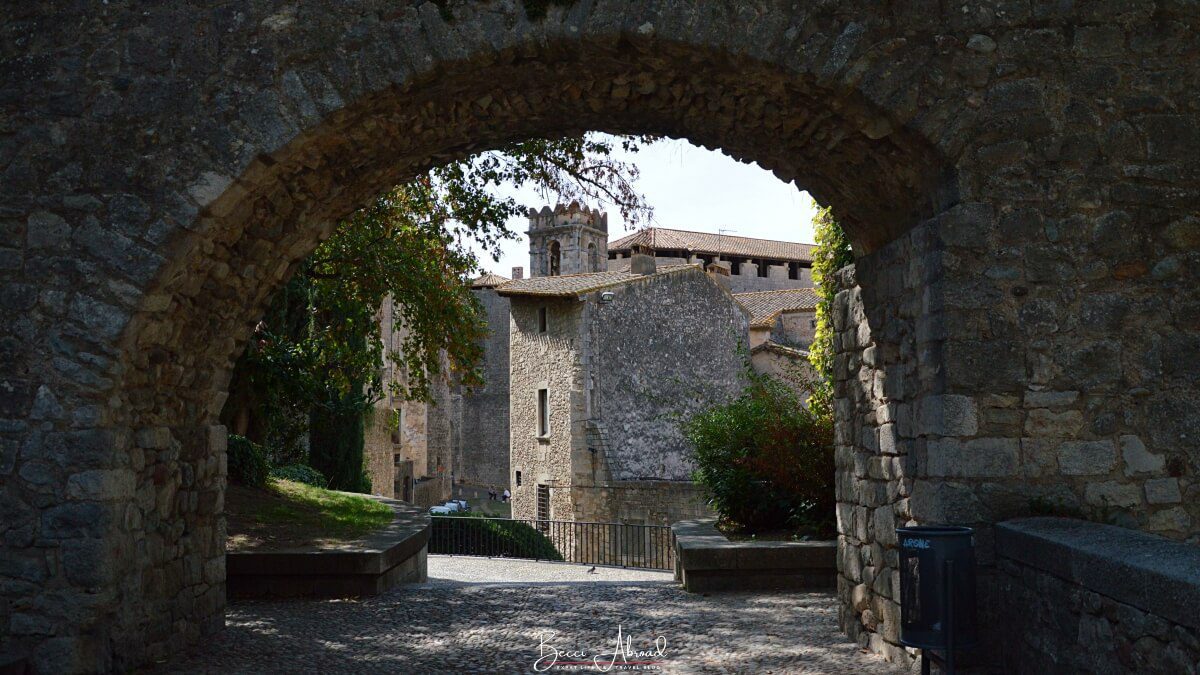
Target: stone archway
point(1020, 183)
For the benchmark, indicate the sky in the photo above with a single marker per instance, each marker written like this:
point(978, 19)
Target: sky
point(690, 188)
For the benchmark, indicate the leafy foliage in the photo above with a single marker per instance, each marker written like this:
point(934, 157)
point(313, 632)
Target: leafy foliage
point(300, 473)
point(831, 254)
point(463, 533)
point(766, 460)
point(337, 434)
point(247, 462)
point(313, 366)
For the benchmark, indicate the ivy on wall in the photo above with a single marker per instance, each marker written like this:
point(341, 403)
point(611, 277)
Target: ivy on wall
point(832, 253)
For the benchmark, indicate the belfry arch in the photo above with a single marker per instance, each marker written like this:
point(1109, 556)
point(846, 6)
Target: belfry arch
point(988, 192)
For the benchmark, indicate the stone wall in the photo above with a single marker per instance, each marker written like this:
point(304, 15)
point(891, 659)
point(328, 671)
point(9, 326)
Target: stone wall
point(1080, 597)
point(747, 281)
point(936, 422)
point(431, 491)
point(167, 165)
point(379, 452)
point(646, 502)
point(442, 427)
point(790, 366)
point(484, 456)
point(777, 280)
point(581, 234)
point(795, 329)
point(662, 349)
point(549, 360)
point(875, 395)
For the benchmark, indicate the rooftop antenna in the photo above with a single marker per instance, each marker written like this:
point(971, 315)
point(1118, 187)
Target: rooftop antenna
point(721, 238)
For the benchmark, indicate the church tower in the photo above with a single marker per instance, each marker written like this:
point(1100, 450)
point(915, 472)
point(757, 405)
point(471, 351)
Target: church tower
point(567, 240)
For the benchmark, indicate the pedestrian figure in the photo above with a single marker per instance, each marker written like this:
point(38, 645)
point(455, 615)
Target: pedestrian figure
point(507, 494)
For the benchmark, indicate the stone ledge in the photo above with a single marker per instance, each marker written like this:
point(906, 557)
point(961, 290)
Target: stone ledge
point(1143, 570)
point(706, 560)
point(393, 555)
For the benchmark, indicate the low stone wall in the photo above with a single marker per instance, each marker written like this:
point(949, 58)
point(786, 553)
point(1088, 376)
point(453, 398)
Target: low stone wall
point(706, 560)
point(1074, 596)
point(392, 556)
point(431, 491)
point(642, 502)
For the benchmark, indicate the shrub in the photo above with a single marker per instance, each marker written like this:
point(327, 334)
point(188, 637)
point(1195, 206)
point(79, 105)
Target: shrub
point(247, 462)
point(476, 534)
point(300, 473)
point(766, 460)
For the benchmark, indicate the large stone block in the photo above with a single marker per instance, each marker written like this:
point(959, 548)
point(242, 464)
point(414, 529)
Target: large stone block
point(1139, 460)
point(102, 485)
point(1087, 458)
point(1163, 491)
point(947, 415)
point(976, 458)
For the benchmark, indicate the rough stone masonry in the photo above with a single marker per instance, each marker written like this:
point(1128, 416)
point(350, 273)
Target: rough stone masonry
point(1020, 179)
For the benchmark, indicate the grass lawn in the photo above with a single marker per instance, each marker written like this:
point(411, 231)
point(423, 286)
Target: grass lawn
point(287, 515)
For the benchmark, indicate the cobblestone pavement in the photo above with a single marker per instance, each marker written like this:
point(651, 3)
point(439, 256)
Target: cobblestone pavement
point(464, 622)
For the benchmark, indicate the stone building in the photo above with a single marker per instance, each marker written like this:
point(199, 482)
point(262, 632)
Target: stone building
point(570, 239)
point(782, 326)
point(1018, 179)
point(753, 264)
point(601, 364)
point(483, 453)
point(409, 446)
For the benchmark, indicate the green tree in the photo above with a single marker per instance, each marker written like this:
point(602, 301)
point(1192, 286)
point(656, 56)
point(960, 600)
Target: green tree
point(313, 366)
point(831, 254)
point(766, 460)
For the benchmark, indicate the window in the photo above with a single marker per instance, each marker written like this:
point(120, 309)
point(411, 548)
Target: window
point(543, 507)
point(543, 412)
point(398, 420)
point(543, 321)
point(555, 259)
point(517, 482)
point(762, 268)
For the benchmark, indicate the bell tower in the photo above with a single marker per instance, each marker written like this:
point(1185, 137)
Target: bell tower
point(569, 239)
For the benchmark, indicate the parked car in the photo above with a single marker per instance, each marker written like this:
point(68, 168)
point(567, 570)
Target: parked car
point(439, 511)
point(462, 503)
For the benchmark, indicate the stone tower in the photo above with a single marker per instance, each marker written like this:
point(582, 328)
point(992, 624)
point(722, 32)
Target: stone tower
point(567, 240)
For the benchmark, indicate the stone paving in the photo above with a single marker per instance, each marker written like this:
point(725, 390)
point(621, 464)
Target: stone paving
point(491, 616)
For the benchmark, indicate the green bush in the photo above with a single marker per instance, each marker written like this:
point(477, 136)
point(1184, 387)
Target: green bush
point(247, 462)
point(300, 473)
point(766, 460)
point(476, 534)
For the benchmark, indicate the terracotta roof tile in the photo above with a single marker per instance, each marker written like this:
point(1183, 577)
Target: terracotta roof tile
point(489, 280)
point(708, 243)
point(764, 306)
point(575, 285)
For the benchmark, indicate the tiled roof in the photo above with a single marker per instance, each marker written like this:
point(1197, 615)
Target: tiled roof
point(764, 306)
point(790, 352)
point(705, 242)
point(489, 280)
point(575, 285)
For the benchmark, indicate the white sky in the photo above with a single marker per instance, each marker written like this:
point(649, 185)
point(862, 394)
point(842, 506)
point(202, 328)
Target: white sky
point(691, 188)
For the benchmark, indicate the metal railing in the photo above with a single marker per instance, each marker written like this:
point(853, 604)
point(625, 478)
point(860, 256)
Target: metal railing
point(645, 546)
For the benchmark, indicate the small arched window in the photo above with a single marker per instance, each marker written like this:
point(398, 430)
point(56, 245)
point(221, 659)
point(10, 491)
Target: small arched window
point(555, 259)
point(593, 259)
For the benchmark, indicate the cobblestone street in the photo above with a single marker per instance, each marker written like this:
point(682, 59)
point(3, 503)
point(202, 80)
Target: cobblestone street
point(478, 615)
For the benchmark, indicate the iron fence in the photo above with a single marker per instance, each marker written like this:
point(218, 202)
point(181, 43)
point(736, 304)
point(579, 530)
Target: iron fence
point(625, 545)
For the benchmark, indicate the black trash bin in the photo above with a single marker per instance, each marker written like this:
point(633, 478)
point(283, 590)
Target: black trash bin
point(937, 587)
